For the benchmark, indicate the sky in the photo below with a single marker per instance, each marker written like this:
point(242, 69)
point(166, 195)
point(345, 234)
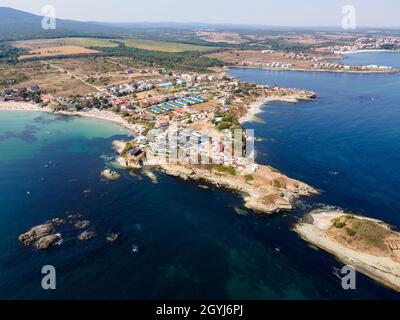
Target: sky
point(292, 13)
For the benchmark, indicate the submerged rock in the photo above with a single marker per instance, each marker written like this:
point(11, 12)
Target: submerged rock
point(82, 224)
point(151, 176)
point(86, 235)
point(202, 186)
point(57, 221)
point(112, 237)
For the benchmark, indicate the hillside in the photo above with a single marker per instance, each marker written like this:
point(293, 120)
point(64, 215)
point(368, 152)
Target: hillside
point(16, 25)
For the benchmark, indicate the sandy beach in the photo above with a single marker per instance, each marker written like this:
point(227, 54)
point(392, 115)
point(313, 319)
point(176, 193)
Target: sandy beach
point(94, 113)
point(255, 108)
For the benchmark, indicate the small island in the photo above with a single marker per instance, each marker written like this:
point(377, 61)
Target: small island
point(110, 175)
point(369, 245)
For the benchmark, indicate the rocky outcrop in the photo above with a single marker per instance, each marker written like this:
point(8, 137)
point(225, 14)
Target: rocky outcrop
point(112, 237)
point(82, 224)
point(47, 241)
point(268, 192)
point(109, 174)
point(86, 235)
point(58, 221)
point(41, 237)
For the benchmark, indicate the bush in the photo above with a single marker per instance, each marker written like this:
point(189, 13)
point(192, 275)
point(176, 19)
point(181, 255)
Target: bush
point(128, 147)
point(350, 232)
point(371, 232)
point(227, 169)
point(337, 223)
point(248, 177)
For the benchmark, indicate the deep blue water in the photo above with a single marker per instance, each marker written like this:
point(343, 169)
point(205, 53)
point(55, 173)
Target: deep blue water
point(383, 58)
point(192, 242)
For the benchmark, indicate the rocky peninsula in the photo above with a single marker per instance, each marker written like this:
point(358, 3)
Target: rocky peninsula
point(265, 191)
point(369, 245)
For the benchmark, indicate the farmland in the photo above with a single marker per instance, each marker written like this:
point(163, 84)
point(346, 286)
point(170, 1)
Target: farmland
point(164, 46)
point(55, 82)
point(47, 52)
point(152, 45)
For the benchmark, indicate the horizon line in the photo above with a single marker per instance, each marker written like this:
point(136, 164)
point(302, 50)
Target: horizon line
point(227, 24)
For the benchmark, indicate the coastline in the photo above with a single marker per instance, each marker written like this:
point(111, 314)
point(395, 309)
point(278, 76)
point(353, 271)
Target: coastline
point(253, 110)
point(372, 50)
point(269, 191)
point(94, 114)
point(391, 71)
point(255, 107)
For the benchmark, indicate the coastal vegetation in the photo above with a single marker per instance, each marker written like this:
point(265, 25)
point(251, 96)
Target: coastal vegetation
point(367, 231)
point(225, 169)
point(128, 146)
point(226, 121)
point(10, 54)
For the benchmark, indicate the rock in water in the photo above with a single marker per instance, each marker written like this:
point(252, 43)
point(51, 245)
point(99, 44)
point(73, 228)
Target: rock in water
point(36, 233)
point(86, 235)
point(42, 236)
point(47, 241)
point(110, 175)
point(82, 224)
point(112, 237)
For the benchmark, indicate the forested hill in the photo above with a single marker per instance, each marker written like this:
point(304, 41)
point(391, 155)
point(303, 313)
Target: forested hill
point(15, 24)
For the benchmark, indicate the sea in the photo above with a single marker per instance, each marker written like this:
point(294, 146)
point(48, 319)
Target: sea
point(179, 241)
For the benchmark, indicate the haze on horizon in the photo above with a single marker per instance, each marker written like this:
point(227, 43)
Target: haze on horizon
point(289, 13)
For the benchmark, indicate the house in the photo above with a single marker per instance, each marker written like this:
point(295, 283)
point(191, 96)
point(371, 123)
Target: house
point(162, 124)
point(136, 155)
point(8, 92)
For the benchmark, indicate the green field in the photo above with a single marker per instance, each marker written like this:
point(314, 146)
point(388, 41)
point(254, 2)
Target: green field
point(164, 46)
point(86, 42)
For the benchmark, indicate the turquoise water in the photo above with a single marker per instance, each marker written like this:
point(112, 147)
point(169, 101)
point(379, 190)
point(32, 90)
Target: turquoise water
point(192, 242)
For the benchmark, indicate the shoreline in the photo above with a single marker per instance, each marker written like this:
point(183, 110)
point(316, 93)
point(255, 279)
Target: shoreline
point(372, 50)
point(253, 110)
point(255, 107)
point(269, 191)
point(390, 71)
point(94, 114)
